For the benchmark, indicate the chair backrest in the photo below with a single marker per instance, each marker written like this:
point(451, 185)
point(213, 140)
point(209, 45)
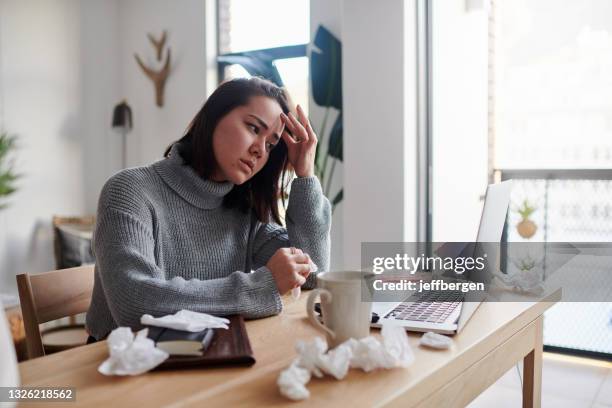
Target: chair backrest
point(87, 221)
point(50, 296)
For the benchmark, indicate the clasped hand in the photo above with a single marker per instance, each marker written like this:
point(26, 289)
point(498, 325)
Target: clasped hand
point(290, 267)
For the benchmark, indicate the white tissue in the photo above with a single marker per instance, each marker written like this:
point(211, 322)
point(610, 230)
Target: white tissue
point(313, 357)
point(367, 354)
point(131, 355)
point(310, 353)
point(435, 340)
point(186, 320)
point(336, 362)
point(296, 292)
point(292, 382)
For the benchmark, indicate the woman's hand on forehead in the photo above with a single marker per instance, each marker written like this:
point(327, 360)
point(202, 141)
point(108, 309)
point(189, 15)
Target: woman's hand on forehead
point(301, 142)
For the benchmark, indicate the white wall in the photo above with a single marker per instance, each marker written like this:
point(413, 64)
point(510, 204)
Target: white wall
point(379, 83)
point(113, 31)
point(64, 64)
point(328, 13)
point(155, 128)
point(42, 103)
point(459, 119)
point(100, 80)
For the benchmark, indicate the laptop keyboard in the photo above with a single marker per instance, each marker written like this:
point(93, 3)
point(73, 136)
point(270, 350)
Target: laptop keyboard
point(427, 307)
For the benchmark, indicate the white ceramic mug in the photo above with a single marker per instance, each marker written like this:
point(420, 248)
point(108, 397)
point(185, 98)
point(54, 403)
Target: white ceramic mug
point(345, 314)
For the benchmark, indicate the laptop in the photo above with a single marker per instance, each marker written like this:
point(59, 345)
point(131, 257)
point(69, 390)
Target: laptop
point(447, 312)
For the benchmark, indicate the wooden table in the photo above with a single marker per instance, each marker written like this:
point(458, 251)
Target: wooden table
point(497, 337)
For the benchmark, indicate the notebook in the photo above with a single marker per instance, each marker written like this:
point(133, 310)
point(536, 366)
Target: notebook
point(210, 347)
point(181, 343)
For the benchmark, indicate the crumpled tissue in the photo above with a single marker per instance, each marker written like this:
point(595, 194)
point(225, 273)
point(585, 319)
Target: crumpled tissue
point(296, 292)
point(186, 320)
point(435, 340)
point(367, 354)
point(131, 355)
point(292, 382)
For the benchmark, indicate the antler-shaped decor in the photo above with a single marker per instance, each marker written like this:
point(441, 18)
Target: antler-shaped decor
point(158, 77)
point(159, 45)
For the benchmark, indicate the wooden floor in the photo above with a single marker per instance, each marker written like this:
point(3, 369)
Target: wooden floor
point(570, 382)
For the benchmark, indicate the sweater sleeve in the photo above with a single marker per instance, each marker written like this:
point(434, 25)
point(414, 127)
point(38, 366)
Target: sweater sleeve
point(133, 284)
point(308, 221)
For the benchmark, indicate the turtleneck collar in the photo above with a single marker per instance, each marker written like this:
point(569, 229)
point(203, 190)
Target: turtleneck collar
point(188, 184)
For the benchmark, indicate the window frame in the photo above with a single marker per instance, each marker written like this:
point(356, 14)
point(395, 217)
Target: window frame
point(259, 62)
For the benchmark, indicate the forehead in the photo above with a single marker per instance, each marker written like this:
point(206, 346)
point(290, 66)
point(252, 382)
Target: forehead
point(266, 108)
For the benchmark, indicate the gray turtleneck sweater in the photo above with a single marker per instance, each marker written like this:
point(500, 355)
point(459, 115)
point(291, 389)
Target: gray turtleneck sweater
point(163, 242)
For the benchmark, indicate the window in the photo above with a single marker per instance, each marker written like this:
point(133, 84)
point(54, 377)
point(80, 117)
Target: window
point(552, 134)
point(553, 84)
point(266, 38)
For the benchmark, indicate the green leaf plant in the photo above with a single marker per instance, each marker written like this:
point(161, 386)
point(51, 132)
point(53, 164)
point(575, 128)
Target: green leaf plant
point(7, 175)
point(525, 209)
point(326, 78)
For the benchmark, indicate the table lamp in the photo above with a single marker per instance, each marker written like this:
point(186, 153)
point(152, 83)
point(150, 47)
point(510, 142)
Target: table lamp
point(122, 124)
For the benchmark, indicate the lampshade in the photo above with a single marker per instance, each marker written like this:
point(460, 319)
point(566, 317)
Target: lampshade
point(122, 116)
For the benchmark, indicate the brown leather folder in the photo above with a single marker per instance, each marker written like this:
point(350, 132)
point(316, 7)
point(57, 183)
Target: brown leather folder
point(229, 347)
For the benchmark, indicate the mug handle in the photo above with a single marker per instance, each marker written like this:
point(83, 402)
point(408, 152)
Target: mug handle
point(323, 293)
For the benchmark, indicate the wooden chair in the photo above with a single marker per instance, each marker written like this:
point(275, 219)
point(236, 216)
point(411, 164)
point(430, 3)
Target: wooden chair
point(84, 223)
point(50, 296)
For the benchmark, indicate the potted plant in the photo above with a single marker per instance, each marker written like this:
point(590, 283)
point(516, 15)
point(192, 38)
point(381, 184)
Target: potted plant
point(9, 374)
point(7, 176)
point(526, 227)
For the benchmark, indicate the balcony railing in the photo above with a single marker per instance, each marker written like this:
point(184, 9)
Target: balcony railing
point(568, 206)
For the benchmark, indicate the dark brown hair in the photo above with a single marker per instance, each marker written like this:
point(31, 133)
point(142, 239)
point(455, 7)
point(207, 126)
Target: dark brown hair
point(262, 191)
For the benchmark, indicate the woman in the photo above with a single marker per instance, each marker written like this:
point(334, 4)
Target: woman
point(186, 231)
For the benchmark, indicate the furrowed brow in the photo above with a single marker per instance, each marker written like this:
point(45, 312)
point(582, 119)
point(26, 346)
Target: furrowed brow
point(265, 126)
point(260, 121)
